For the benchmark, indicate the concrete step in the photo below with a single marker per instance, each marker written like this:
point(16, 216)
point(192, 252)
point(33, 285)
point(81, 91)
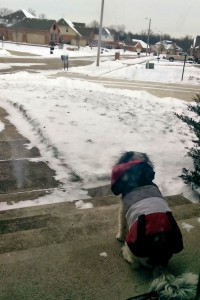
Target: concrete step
point(58, 223)
point(10, 198)
point(75, 270)
point(53, 252)
point(65, 207)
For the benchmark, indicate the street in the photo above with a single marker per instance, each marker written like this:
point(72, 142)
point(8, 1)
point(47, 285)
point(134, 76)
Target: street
point(161, 90)
point(184, 92)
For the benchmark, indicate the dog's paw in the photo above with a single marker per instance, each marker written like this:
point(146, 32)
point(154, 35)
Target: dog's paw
point(127, 255)
point(120, 238)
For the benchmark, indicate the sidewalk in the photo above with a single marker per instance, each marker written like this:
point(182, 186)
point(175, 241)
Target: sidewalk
point(20, 177)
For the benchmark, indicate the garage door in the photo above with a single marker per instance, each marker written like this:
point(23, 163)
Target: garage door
point(34, 38)
point(17, 37)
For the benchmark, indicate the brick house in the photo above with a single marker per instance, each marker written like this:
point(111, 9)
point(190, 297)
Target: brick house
point(23, 27)
point(9, 20)
point(33, 31)
point(135, 46)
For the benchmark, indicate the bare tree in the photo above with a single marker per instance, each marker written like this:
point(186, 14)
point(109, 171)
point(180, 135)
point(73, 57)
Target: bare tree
point(42, 16)
point(32, 12)
point(118, 32)
point(118, 28)
point(5, 11)
point(93, 24)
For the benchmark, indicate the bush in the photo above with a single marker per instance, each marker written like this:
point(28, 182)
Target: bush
point(192, 177)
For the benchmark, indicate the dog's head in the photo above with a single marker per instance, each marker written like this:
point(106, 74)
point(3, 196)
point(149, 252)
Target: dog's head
point(132, 170)
point(133, 155)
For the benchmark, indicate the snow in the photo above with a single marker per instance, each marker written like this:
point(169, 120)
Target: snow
point(83, 205)
point(90, 125)
point(27, 14)
point(143, 44)
point(103, 254)
point(186, 226)
point(2, 126)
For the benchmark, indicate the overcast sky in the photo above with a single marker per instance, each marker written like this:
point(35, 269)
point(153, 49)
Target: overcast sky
point(175, 17)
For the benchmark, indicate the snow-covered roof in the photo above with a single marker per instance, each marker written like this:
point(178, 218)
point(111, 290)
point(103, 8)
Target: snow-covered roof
point(107, 31)
point(27, 14)
point(143, 44)
point(167, 42)
point(70, 23)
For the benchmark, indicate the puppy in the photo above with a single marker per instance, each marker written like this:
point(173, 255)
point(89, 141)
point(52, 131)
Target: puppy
point(153, 235)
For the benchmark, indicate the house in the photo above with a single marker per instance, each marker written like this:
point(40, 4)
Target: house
point(167, 47)
point(17, 16)
point(23, 27)
point(8, 20)
point(195, 48)
point(107, 39)
point(135, 46)
point(74, 33)
point(33, 31)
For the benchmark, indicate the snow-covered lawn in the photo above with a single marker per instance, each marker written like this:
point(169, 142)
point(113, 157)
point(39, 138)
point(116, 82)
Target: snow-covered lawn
point(90, 125)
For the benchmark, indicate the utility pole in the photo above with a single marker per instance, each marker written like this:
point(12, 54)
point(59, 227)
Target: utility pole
point(183, 66)
point(160, 42)
point(148, 34)
point(100, 33)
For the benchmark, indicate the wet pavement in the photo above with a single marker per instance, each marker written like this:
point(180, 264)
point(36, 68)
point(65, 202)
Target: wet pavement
point(21, 178)
point(60, 252)
point(38, 63)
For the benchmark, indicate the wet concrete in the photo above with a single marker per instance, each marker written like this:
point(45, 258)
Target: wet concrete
point(17, 149)
point(20, 177)
point(53, 252)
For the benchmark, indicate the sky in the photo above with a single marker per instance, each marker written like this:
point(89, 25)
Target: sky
point(175, 17)
point(98, 122)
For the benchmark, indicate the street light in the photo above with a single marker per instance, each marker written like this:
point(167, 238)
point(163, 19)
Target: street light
point(100, 32)
point(148, 34)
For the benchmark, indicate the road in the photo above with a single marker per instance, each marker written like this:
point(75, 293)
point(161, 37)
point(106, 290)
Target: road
point(37, 63)
point(162, 90)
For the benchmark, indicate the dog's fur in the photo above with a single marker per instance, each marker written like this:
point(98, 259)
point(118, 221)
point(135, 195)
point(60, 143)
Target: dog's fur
point(122, 224)
point(182, 287)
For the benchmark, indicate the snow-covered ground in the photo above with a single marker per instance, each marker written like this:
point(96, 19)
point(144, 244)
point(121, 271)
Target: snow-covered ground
point(91, 125)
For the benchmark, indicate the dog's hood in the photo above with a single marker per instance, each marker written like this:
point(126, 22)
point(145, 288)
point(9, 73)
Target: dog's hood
point(120, 169)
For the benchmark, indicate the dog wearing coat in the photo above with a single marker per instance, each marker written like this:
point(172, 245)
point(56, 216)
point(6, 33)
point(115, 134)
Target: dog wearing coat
point(146, 223)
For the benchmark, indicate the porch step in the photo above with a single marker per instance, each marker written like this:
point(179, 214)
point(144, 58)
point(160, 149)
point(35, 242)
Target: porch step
point(57, 223)
point(60, 252)
point(85, 269)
